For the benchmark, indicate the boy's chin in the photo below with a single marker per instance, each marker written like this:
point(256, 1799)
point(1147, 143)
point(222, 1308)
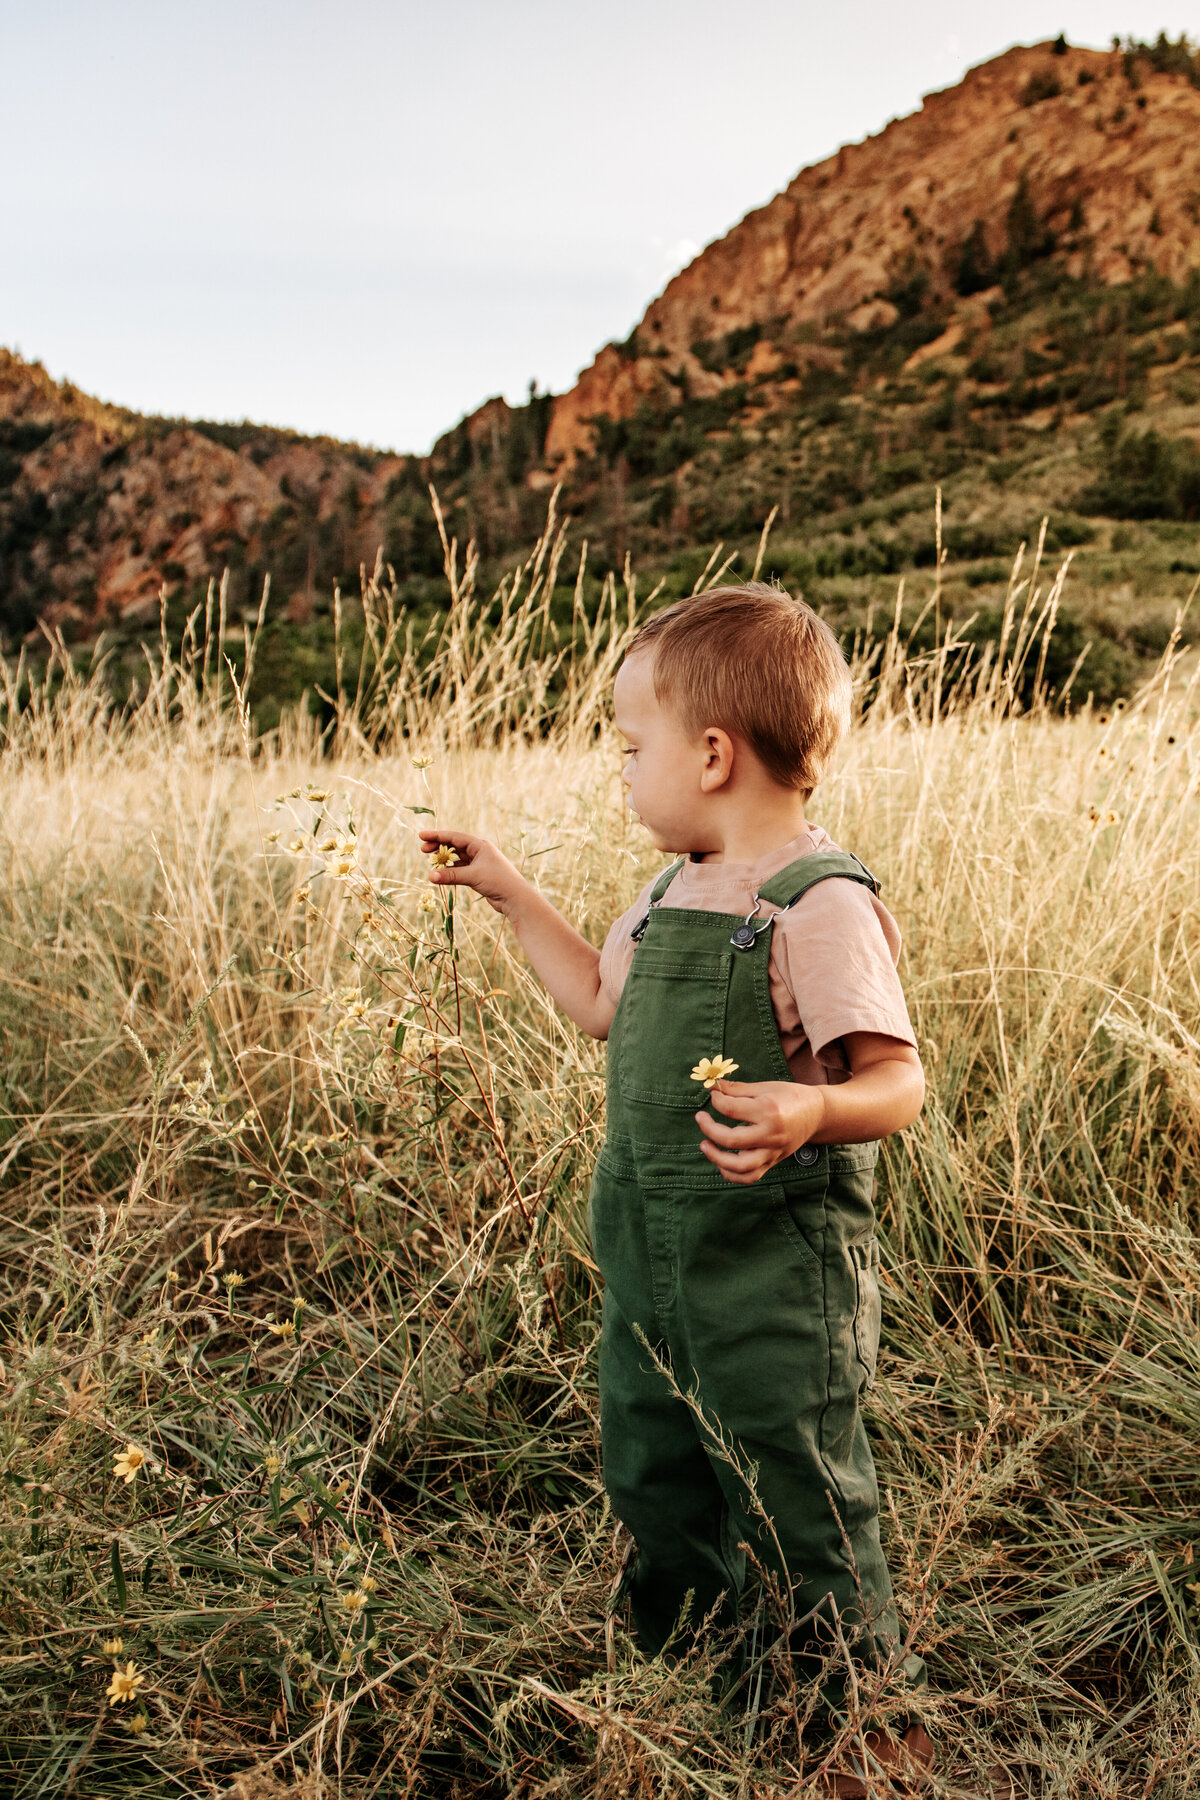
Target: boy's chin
point(663, 839)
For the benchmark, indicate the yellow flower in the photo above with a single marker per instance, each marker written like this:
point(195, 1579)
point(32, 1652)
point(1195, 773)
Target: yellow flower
point(711, 1069)
point(444, 857)
point(281, 1328)
point(137, 1724)
point(342, 862)
point(427, 904)
point(124, 1684)
point(355, 1601)
point(297, 845)
point(272, 1465)
point(233, 1279)
point(368, 1584)
point(421, 762)
point(127, 1462)
point(113, 1646)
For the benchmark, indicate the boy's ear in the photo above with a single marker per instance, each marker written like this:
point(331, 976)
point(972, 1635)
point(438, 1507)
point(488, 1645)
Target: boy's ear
point(718, 759)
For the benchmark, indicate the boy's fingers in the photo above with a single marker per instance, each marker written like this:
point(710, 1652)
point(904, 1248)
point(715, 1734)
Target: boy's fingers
point(743, 1168)
point(734, 1137)
point(431, 837)
point(737, 1098)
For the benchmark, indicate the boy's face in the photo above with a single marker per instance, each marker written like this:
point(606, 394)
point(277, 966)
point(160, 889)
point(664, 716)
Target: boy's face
point(664, 763)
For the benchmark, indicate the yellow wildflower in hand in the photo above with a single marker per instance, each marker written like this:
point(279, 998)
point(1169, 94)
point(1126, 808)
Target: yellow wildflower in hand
point(127, 1462)
point(124, 1684)
point(711, 1069)
point(444, 857)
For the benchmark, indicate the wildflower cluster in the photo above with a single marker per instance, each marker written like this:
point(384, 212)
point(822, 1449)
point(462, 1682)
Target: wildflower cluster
point(328, 848)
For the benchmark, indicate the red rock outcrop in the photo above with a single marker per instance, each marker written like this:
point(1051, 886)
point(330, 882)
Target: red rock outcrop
point(1113, 170)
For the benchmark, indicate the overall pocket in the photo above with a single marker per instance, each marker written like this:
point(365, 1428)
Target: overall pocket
point(672, 1014)
point(799, 1209)
point(867, 1309)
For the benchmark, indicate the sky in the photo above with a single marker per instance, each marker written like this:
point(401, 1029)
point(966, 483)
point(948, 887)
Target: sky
point(365, 217)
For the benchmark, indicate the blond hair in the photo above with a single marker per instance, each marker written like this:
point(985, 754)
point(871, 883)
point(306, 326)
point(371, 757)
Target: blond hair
point(757, 663)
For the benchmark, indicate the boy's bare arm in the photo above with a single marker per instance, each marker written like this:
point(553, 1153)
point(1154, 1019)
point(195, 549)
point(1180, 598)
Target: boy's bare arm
point(885, 1092)
point(567, 965)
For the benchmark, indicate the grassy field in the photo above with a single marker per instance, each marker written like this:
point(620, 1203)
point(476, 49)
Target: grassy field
point(301, 1488)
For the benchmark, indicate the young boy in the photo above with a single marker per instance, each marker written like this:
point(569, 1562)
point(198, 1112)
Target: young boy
point(738, 1243)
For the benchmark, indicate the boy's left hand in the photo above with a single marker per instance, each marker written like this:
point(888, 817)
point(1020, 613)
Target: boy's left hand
point(776, 1118)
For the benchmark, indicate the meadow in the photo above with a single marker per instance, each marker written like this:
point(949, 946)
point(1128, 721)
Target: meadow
point(301, 1485)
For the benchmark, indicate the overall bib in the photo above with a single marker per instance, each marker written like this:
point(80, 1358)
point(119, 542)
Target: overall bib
point(762, 1300)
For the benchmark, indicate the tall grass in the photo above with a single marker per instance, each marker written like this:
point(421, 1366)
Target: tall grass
point(294, 1157)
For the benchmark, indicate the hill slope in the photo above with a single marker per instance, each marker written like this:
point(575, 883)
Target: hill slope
point(999, 294)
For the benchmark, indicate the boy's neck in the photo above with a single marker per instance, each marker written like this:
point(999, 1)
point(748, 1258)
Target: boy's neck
point(749, 832)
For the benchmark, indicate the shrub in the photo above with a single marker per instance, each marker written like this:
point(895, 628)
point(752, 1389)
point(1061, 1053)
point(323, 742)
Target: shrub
point(976, 265)
point(1144, 475)
point(1043, 84)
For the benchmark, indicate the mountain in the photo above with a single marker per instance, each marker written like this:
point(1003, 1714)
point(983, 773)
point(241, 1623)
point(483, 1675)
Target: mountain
point(100, 506)
point(1089, 156)
point(998, 295)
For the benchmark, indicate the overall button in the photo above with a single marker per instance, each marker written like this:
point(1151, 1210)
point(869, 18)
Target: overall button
point(806, 1155)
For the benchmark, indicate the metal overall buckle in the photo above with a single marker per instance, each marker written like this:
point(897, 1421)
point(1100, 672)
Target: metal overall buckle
point(747, 933)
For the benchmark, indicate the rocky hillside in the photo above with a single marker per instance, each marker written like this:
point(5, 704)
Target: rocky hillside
point(99, 507)
point(1090, 156)
point(999, 295)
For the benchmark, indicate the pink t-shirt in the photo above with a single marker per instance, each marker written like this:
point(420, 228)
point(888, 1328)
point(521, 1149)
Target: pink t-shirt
point(833, 955)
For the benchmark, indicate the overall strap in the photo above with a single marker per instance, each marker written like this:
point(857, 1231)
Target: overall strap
point(791, 884)
point(664, 881)
point(656, 893)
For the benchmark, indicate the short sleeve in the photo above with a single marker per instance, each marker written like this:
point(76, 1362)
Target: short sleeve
point(616, 954)
point(838, 948)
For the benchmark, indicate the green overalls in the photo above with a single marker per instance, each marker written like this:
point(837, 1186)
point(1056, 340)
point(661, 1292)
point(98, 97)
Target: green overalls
point(763, 1300)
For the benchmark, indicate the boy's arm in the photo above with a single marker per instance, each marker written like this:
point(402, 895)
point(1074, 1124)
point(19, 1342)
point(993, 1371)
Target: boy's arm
point(567, 965)
point(885, 1092)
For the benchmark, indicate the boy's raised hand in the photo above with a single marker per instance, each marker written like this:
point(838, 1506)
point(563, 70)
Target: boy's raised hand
point(564, 960)
point(477, 864)
point(776, 1117)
